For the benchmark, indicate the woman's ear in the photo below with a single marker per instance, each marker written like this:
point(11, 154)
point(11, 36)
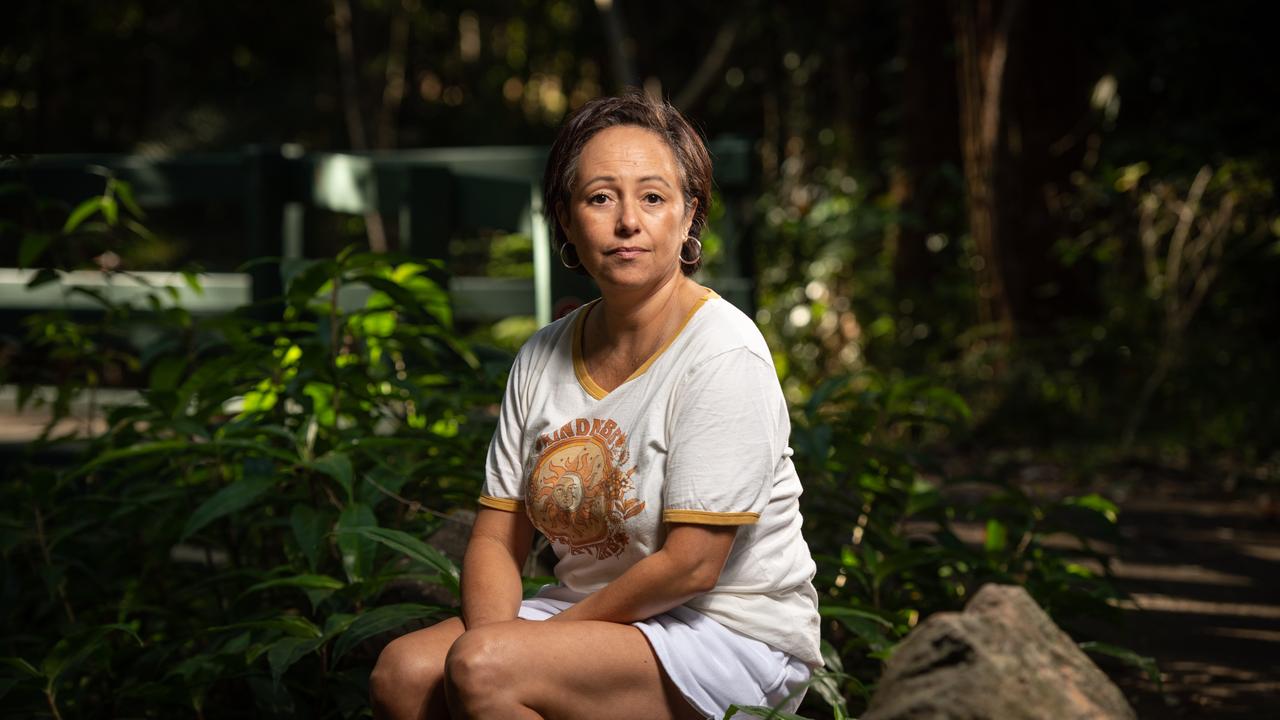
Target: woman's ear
point(562, 216)
point(690, 213)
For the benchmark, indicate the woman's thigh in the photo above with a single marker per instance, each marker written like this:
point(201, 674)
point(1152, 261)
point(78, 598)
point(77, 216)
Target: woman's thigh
point(570, 669)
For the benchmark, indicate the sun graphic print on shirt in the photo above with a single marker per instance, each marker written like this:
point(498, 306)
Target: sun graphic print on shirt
point(576, 494)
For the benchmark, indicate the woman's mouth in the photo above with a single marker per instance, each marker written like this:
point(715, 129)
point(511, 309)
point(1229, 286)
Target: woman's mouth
point(628, 252)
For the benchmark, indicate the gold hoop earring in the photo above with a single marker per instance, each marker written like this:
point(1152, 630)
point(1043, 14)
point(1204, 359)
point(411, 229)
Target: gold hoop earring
point(697, 258)
point(577, 261)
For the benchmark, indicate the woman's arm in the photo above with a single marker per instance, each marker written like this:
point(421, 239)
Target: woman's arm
point(491, 587)
point(687, 565)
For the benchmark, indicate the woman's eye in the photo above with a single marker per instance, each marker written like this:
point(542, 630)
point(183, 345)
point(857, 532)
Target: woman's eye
point(598, 199)
point(653, 198)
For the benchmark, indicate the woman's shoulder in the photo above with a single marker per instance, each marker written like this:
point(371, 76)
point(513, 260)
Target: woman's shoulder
point(722, 327)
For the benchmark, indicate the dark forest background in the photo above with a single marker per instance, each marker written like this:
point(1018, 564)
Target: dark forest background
point(979, 173)
point(984, 235)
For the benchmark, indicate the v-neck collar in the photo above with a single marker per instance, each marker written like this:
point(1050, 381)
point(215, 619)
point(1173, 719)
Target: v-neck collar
point(580, 364)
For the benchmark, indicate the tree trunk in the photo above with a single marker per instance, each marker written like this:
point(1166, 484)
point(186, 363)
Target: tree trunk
point(982, 29)
point(930, 143)
point(1023, 133)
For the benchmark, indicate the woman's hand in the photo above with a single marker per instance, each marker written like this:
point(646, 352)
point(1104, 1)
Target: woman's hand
point(491, 586)
point(687, 565)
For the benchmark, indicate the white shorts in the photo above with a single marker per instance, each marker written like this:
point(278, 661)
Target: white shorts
point(713, 666)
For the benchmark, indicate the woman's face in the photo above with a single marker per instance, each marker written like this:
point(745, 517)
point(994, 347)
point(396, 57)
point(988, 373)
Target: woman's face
point(626, 216)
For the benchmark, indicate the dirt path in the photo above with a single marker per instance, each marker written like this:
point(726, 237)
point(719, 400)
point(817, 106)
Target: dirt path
point(1202, 565)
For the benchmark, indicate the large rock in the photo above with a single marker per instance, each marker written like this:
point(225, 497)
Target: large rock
point(1000, 659)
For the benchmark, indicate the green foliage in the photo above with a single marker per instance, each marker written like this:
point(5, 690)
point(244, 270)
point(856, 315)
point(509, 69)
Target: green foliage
point(241, 539)
point(897, 536)
point(238, 540)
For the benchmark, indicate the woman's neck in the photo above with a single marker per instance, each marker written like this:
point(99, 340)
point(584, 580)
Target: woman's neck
point(625, 329)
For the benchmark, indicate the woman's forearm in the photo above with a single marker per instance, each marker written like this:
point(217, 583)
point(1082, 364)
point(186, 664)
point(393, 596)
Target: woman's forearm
point(688, 565)
point(491, 586)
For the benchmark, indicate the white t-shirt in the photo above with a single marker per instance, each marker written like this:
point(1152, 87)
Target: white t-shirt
point(698, 434)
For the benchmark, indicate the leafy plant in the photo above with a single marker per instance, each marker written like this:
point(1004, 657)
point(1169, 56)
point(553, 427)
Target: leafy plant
point(244, 530)
point(897, 537)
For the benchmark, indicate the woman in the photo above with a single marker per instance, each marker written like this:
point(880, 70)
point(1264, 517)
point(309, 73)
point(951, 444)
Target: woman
point(645, 435)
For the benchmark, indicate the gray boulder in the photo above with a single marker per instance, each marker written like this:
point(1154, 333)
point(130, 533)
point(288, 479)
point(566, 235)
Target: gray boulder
point(1000, 659)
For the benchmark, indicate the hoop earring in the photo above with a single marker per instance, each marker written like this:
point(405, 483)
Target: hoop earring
point(577, 261)
point(696, 258)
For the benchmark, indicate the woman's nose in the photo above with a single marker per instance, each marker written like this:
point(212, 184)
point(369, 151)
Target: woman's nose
point(628, 221)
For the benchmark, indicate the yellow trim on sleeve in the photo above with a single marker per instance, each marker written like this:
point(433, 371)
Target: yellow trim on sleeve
point(498, 503)
point(707, 517)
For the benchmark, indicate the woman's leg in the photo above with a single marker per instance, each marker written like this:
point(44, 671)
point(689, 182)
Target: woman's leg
point(407, 682)
point(588, 669)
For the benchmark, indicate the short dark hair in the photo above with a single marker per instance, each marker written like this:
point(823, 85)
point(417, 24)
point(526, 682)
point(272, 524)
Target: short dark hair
point(638, 109)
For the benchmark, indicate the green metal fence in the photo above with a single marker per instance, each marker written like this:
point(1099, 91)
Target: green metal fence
point(430, 195)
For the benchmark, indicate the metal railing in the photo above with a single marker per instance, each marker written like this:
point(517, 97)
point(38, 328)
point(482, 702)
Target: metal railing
point(432, 195)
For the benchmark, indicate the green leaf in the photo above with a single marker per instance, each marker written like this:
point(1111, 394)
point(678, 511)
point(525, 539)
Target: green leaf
point(830, 657)
point(110, 210)
point(32, 247)
point(22, 666)
point(380, 620)
point(82, 212)
point(192, 279)
point(1142, 662)
point(287, 651)
point(291, 625)
point(336, 624)
point(357, 550)
point(309, 530)
point(1096, 503)
point(408, 545)
point(314, 582)
point(903, 560)
point(166, 373)
point(827, 685)
point(124, 191)
point(236, 496)
point(760, 711)
point(43, 276)
point(997, 536)
point(337, 466)
point(71, 651)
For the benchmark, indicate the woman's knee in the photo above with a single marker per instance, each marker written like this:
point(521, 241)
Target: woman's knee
point(405, 666)
point(479, 663)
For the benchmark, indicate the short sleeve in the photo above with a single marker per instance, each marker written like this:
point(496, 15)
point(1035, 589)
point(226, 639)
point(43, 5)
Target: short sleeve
point(726, 431)
point(504, 466)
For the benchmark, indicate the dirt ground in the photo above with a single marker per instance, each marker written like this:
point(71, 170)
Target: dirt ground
point(1200, 560)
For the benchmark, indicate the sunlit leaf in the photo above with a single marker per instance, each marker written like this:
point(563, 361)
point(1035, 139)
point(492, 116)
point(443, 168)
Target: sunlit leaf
point(412, 547)
point(997, 536)
point(760, 711)
point(323, 582)
point(82, 212)
point(1096, 503)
